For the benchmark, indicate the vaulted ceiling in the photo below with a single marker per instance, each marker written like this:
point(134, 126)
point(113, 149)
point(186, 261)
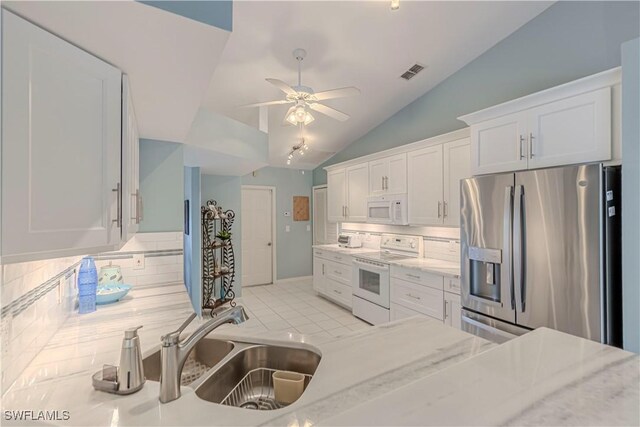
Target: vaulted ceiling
point(364, 44)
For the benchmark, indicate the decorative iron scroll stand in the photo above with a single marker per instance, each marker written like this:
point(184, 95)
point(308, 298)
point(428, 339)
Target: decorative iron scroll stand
point(218, 261)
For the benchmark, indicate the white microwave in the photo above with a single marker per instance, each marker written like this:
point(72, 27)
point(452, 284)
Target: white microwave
point(388, 209)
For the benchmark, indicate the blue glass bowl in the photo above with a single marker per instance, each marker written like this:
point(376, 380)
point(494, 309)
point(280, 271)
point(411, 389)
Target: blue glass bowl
point(106, 294)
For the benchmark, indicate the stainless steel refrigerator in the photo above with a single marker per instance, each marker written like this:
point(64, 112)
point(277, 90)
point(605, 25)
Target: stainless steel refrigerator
point(542, 248)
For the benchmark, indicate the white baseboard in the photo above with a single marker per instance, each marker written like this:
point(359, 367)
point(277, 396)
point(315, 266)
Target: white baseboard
point(294, 279)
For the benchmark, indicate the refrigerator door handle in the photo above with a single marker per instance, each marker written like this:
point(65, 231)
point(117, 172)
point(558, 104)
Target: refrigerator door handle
point(508, 241)
point(518, 249)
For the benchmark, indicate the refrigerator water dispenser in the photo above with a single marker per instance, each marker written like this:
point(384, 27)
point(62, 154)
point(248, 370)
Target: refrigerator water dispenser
point(485, 267)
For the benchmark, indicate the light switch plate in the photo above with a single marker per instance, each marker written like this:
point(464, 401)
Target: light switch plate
point(287, 228)
point(138, 262)
point(308, 227)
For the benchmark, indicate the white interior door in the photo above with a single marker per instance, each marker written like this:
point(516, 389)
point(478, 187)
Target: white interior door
point(257, 236)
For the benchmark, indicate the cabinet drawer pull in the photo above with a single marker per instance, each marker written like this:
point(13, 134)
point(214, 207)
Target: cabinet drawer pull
point(337, 292)
point(337, 272)
point(414, 276)
point(413, 296)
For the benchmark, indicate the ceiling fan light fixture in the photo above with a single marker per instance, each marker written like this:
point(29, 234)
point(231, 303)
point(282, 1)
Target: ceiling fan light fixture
point(300, 115)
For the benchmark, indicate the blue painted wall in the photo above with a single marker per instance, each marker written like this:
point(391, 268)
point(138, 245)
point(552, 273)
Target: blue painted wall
point(218, 13)
point(293, 249)
point(192, 240)
point(161, 185)
point(631, 194)
point(226, 190)
point(567, 41)
point(294, 258)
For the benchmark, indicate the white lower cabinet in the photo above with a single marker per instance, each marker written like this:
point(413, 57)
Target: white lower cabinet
point(61, 146)
point(452, 310)
point(417, 297)
point(415, 292)
point(399, 312)
point(332, 276)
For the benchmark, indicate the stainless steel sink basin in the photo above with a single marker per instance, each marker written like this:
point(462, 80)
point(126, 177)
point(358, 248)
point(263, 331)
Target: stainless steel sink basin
point(244, 380)
point(205, 355)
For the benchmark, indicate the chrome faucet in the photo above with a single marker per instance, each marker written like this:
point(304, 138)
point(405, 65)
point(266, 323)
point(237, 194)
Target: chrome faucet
point(174, 352)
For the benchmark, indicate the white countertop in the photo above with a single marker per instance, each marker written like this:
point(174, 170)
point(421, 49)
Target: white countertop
point(429, 265)
point(60, 376)
point(413, 372)
point(436, 266)
point(348, 251)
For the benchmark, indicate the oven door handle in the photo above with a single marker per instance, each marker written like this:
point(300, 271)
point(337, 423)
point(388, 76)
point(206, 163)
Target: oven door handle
point(371, 266)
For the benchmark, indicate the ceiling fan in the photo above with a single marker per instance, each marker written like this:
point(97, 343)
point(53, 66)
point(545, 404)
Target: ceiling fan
point(304, 98)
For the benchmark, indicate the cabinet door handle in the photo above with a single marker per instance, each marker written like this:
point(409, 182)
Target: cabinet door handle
point(323, 269)
point(136, 218)
point(444, 210)
point(531, 145)
point(445, 309)
point(439, 207)
point(386, 182)
point(118, 191)
point(382, 178)
point(522, 141)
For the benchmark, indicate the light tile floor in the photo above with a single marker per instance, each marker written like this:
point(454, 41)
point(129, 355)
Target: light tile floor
point(295, 307)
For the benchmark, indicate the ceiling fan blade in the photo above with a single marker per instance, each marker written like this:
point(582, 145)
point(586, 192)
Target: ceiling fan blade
point(337, 93)
point(282, 86)
point(328, 111)
point(284, 121)
point(261, 104)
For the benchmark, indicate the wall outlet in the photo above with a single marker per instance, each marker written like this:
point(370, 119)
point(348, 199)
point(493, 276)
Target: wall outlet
point(287, 228)
point(308, 227)
point(287, 213)
point(138, 261)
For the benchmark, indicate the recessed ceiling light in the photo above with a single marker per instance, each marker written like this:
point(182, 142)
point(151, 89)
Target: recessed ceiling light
point(395, 4)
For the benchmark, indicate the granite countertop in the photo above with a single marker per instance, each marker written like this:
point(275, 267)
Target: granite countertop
point(413, 372)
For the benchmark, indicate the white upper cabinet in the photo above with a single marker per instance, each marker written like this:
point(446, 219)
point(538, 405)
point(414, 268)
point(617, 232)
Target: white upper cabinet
point(425, 186)
point(499, 145)
point(573, 130)
point(131, 198)
point(61, 142)
point(336, 195)
point(457, 166)
point(357, 184)
point(388, 175)
point(567, 124)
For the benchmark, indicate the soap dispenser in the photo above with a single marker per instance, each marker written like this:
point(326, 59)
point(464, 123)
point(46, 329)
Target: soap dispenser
point(130, 372)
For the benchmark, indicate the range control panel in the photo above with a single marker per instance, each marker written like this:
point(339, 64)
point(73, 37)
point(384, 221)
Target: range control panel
point(401, 242)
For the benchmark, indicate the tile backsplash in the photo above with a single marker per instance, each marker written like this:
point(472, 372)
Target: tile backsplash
point(38, 296)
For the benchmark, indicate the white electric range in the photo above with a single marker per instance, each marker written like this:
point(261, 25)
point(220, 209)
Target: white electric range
point(371, 277)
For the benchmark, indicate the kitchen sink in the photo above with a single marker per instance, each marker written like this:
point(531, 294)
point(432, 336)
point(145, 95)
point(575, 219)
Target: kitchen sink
point(245, 379)
point(205, 355)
